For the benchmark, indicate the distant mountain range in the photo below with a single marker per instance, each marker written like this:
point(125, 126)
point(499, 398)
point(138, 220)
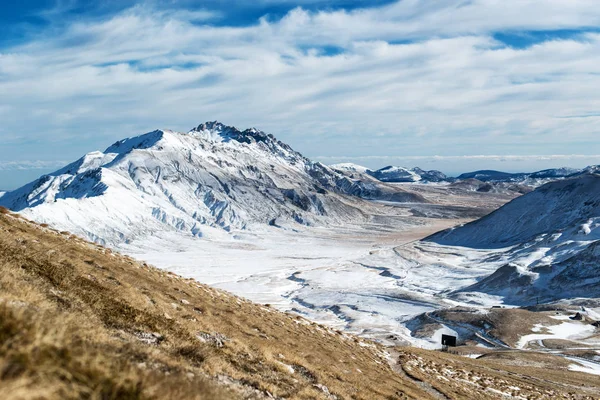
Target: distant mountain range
point(400, 174)
point(391, 174)
point(394, 174)
point(533, 178)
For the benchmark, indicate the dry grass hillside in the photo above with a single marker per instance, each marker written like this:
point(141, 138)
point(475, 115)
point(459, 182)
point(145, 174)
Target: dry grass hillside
point(499, 375)
point(78, 321)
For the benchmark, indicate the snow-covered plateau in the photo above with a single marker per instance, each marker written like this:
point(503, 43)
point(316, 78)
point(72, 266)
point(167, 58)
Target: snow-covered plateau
point(243, 211)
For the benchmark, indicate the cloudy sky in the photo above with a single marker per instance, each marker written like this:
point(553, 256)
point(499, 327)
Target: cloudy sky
point(454, 85)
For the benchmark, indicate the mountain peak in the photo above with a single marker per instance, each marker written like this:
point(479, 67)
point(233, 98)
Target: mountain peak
point(212, 126)
point(218, 131)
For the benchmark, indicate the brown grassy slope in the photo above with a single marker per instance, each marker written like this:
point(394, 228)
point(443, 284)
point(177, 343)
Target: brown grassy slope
point(525, 375)
point(78, 321)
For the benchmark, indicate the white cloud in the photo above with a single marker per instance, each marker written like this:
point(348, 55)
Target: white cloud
point(455, 90)
point(31, 164)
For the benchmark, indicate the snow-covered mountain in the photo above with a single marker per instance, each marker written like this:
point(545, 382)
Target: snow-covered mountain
point(545, 244)
point(401, 174)
point(214, 176)
point(574, 275)
point(349, 167)
point(554, 207)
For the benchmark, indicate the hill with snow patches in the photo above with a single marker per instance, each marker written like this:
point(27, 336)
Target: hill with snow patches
point(533, 179)
point(213, 177)
point(566, 205)
point(401, 174)
point(499, 176)
point(544, 245)
point(392, 174)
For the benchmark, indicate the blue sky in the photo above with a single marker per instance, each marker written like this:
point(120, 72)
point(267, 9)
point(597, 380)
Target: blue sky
point(454, 85)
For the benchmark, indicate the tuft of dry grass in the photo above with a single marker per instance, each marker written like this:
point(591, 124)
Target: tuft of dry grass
point(79, 321)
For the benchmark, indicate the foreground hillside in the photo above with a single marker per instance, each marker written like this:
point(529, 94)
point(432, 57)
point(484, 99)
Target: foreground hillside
point(77, 321)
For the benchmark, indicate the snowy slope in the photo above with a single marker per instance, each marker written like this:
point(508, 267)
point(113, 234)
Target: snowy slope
point(349, 167)
point(554, 207)
point(542, 246)
point(212, 179)
point(578, 276)
point(567, 270)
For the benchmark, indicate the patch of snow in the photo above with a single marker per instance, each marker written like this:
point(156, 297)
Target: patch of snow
point(588, 367)
point(566, 330)
point(537, 328)
point(586, 228)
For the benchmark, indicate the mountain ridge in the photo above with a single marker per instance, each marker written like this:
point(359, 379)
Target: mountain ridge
point(402, 174)
point(554, 206)
point(534, 178)
point(212, 177)
point(396, 174)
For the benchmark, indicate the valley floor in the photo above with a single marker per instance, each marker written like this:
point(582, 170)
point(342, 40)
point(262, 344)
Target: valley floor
point(348, 278)
point(352, 277)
